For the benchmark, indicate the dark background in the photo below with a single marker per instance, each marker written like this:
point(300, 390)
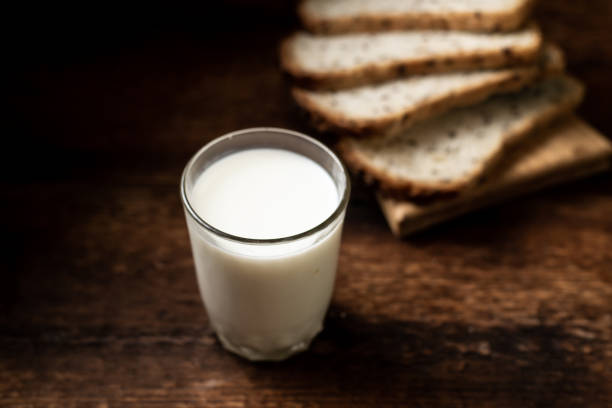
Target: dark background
point(91, 61)
point(510, 306)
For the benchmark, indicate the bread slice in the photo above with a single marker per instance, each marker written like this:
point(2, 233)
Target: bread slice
point(449, 153)
point(569, 150)
point(393, 106)
point(343, 16)
point(341, 61)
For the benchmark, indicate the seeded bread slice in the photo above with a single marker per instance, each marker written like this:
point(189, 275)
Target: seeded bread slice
point(449, 153)
point(342, 61)
point(393, 106)
point(343, 16)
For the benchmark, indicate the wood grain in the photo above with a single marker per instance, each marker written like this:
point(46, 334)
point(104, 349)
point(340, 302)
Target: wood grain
point(507, 307)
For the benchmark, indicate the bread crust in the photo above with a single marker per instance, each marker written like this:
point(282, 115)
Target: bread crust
point(509, 20)
point(509, 80)
point(404, 189)
point(329, 121)
point(373, 73)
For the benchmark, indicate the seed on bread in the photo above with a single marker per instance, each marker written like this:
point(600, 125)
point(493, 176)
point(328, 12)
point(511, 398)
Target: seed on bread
point(341, 16)
point(343, 61)
point(392, 106)
point(460, 145)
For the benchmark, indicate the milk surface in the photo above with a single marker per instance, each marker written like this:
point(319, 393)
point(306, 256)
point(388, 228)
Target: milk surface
point(264, 193)
point(265, 301)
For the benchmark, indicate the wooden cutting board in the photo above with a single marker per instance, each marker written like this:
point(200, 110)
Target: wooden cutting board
point(567, 151)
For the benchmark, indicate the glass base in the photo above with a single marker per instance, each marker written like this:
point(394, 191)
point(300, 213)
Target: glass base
point(267, 355)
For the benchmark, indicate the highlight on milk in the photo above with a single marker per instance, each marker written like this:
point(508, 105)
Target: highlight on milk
point(264, 210)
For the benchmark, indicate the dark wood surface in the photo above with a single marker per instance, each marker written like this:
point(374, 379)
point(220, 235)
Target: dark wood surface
point(507, 307)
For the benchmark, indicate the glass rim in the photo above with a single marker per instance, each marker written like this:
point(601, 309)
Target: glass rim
point(342, 203)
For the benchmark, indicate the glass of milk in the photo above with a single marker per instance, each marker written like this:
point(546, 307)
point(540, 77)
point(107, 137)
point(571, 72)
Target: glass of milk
point(264, 210)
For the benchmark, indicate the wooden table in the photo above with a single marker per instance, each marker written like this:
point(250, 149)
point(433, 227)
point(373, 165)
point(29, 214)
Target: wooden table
point(508, 307)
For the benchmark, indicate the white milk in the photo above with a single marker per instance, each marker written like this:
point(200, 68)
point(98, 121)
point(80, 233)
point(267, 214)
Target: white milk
point(265, 301)
point(264, 193)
